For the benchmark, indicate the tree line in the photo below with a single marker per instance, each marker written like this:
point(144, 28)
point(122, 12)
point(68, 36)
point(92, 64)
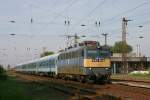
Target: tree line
point(3, 74)
point(118, 47)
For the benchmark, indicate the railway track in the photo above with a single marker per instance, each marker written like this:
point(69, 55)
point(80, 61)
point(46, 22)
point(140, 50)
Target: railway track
point(79, 90)
point(133, 83)
point(129, 80)
point(72, 88)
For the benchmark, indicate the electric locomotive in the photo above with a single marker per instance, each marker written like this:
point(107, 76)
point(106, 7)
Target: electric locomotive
point(85, 61)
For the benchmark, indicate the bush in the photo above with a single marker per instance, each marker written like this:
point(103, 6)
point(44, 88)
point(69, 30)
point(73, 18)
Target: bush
point(3, 75)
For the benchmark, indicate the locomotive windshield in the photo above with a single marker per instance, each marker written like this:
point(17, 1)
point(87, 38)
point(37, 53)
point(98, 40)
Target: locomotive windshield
point(92, 53)
point(98, 53)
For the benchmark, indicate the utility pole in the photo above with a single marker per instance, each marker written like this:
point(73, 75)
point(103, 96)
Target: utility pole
point(124, 45)
point(105, 35)
point(140, 37)
point(67, 24)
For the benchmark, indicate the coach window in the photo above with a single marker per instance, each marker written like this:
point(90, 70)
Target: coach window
point(30, 65)
point(70, 55)
point(45, 63)
point(49, 63)
point(63, 56)
point(79, 53)
point(73, 55)
point(60, 57)
point(40, 64)
point(66, 56)
point(82, 53)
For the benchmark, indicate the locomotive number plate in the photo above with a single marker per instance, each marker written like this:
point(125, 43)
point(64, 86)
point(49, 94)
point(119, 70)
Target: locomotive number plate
point(97, 60)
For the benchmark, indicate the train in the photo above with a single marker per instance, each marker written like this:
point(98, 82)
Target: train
point(85, 61)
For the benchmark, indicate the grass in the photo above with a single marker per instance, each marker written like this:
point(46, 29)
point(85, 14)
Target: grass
point(137, 77)
point(13, 89)
point(141, 75)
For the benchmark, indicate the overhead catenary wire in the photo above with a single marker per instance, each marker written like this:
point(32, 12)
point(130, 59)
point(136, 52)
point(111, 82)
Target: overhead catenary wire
point(115, 18)
point(90, 13)
point(127, 11)
point(60, 14)
point(58, 23)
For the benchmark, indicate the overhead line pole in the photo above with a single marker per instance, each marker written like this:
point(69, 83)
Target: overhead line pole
point(105, 35)
point(124, 46)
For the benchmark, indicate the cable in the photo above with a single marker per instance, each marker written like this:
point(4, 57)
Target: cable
point(90, 13)
point(60, 13)
point(127, 11)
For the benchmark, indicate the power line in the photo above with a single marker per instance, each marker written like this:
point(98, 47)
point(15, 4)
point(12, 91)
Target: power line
point(90, 13)
point(127, 11)
point(60, 13)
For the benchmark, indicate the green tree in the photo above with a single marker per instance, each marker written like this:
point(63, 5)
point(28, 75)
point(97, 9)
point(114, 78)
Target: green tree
point(3, 75)
point(120, 47)
point(46, 53)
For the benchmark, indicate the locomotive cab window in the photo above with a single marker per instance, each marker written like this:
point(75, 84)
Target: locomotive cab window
point(92, 53)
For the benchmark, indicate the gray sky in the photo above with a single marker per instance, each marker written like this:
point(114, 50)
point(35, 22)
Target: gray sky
point(48, 28)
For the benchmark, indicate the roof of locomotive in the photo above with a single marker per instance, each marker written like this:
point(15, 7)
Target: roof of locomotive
point(82, 45)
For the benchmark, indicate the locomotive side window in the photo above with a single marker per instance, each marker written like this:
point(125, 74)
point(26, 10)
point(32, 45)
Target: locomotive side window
point(82, 53)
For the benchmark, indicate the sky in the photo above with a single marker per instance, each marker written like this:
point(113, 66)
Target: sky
point(48, 29)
